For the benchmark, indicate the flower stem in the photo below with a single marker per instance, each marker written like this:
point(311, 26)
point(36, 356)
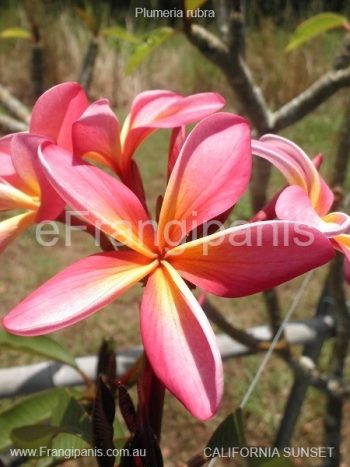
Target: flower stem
point(151, 400)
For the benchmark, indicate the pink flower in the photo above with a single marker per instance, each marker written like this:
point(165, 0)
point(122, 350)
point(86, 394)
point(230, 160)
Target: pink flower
point(308, 199)
point(209, 176)
point(22, 183)
point(97, 135)
point(66, 107)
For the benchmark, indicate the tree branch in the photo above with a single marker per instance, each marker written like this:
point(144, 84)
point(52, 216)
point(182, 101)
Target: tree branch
point(227, 58)
point(228, 55)
point(237, 73)
point(237, 334)
point(89, 60)
point(310, 99)
point(253, 343)
point(342, 155)
point(311, 353)
point(334, 407)
point(305, 368)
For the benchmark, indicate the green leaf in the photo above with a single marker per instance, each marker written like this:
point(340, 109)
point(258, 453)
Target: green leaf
point(69, 441)
point(314, 26)
point(33, 409)
point(119, 433)
point(71, 417)
point(33, 436)
point(230, 433)
point(16, 33)
point(63, 442)
point(146, 45)
point(117, 32)
point(42, 345)
point(44, 437)
point(194, 4)
point(69, 421)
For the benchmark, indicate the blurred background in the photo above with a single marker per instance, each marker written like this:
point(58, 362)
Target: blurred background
point(43, 43)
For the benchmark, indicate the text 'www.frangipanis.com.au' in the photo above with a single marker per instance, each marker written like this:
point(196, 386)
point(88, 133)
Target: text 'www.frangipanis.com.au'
point(44, 451)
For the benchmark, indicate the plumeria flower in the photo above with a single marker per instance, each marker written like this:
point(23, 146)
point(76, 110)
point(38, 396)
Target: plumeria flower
point(308, 198)
point(210, 174)
point(55, 112)
point(97, 135)
point(52, 119)
point(22, 183)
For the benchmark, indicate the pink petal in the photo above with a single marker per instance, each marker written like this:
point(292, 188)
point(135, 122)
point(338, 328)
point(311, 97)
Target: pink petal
point(133, 180)
point(318, 161)
point(295, 205)
point(99, 198)
point(209, 176)
point(178, 137)
point(326, 196)
point(268, 212)
point(26, 160)
point(12, 227)
point(12, 198)
point(325, 199)
point(184, 111)
point(149, 105)
point(145, 109)
point(96, 135)
point(56, 110)
point(8, 173)
point(77, 292)
point(6, 167)
point(337, 223)
point(298, 169)
point(164, 109)
point(286, 165)
point(293, 152)
point(24, 150)
point(180, 343)
point(342, 243)
point(244, 260)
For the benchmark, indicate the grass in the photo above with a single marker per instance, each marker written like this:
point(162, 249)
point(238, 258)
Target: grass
point(24, 265)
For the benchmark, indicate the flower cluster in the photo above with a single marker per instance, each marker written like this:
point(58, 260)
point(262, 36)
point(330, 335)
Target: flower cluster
point(77, 156)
